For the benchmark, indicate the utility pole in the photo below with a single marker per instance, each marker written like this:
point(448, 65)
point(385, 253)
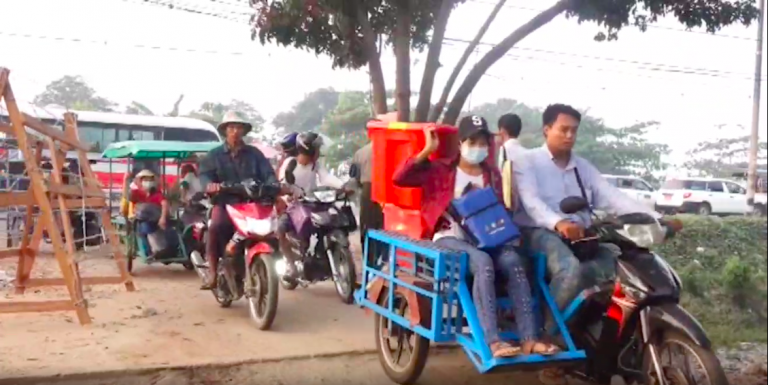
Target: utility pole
point(755, 135)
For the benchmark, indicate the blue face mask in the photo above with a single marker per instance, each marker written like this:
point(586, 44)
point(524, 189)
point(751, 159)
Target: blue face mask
point(473, 154)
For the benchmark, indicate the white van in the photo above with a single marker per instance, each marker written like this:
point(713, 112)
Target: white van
point(703, 196)
point(635, 188)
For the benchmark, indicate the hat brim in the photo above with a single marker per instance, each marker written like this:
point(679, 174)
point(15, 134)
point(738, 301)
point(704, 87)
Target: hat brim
point(223, 126)
point(476, 134)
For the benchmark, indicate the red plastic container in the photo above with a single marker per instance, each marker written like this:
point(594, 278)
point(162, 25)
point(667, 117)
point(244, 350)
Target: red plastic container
point(406, 222)
point(393, 144)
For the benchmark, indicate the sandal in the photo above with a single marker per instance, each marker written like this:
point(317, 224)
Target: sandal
point(552, 376)
point(541, 348)
point(504, 350)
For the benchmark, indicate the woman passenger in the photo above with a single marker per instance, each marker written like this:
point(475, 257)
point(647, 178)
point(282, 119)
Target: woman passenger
point(441, 182)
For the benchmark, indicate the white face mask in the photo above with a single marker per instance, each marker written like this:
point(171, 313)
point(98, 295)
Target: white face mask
point(473, 154)
point(148, 184)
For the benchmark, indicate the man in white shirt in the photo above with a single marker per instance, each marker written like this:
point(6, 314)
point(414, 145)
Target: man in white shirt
point(510, 127)
point(544, 177)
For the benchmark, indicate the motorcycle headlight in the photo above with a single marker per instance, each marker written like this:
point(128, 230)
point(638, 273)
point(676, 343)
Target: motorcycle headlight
point(644, 236)
point(259, 227)
point(327, 196)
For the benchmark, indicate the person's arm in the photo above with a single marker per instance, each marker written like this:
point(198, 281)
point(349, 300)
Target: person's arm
point(163, 213)
point(327, 179)
point(264, 171)
point(412, 173)
point(208, 173)
point(610, 199)
point(528, 191)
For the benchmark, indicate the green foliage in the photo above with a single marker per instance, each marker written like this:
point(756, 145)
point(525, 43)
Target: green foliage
point(613, 15)
point(721, 158)
point(213, 113)
point(74, 93)
point(722, 263)
point(308, 114)
point(612, 150)
point(346, 125)
point(333, 27)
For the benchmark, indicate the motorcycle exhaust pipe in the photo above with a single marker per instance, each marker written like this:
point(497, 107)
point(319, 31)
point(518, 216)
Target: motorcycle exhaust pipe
point(201, 267)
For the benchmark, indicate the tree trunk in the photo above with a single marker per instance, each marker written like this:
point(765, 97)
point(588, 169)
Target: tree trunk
point(457, 69)
point(433, 61)
point(378, 88)
point(402, 44)
point(501, 49)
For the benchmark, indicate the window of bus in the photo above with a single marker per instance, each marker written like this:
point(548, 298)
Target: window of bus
point(189, 135)
point(101, 135)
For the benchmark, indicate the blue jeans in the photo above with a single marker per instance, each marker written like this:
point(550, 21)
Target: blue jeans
point(482, 267)
point(144, 228)
point(569, 276)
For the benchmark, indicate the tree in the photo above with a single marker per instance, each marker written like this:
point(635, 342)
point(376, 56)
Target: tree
point(308, 114)
point(721, 158)
point(213, 113)
point(620, 151)
point(74, 93)
point(346, 125)
point(353, 33)
point(136, 108)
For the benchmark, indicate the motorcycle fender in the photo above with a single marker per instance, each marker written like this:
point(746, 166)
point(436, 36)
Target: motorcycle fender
point(672, 316)
point(256, 249)
point(339, 237)
point(419, 306)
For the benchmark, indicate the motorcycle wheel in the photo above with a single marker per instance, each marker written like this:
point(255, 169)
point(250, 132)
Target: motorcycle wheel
point(263, 304)
point(409, 372)
point(715, 375)
point(346, 275)
point(221, 292)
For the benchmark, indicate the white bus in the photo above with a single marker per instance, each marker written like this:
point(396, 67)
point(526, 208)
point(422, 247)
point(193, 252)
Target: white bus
point(100, 129)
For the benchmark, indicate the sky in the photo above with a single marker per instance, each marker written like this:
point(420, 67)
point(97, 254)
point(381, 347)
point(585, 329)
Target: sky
point(136, 50)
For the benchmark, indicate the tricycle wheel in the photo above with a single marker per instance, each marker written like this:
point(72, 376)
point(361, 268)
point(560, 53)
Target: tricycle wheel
point(393, 340)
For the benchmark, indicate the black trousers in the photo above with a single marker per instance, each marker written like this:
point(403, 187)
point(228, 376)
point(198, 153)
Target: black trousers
point(371, 217)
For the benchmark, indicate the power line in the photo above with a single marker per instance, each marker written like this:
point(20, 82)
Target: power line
point(642, 65)
point(652, 26)
point(658, 66)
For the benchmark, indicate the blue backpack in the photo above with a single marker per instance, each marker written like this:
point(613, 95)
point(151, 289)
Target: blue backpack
point(484, 219)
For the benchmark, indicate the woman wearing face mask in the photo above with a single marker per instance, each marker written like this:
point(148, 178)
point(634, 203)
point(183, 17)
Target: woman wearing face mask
point(442, 181)
point(151, 210)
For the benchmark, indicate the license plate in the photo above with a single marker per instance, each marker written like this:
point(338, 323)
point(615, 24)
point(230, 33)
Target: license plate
point(668, 197)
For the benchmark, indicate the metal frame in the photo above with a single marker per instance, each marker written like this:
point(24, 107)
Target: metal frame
point(451, 299)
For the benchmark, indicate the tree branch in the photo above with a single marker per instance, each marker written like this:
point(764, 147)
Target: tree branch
point(464, 57)
point(378, 88)
point(490, 58)
point(433, 60)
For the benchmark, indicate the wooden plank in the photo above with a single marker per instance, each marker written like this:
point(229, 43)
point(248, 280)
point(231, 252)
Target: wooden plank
point(76, 191)
point(4, 73)
point(54, 133)
point(89, 281)
point(10, 253)
point(36, 306)
point(90, 203)
point(16, 198)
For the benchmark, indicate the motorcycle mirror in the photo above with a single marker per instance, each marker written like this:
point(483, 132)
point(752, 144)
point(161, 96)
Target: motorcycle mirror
point(572, 205)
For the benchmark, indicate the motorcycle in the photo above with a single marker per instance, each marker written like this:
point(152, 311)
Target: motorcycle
point(625, 325)
point(321, 238)
point(248, 265)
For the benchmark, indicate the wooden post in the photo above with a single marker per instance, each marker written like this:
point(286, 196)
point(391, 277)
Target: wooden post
point(47, 196)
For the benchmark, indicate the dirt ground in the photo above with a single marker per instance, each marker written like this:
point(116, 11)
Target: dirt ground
point(449, 368)
point(168, 322)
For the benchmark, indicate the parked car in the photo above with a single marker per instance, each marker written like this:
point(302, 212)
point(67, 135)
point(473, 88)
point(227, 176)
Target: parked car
point(703, 196)
point(636, 188)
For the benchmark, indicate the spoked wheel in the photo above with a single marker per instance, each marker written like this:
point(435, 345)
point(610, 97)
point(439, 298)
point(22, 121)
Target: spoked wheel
point(683, 362)
point(263, 294)
point(402, 353)
point(345, 277)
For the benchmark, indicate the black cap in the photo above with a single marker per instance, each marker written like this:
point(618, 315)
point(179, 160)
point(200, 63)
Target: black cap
point(472, 126)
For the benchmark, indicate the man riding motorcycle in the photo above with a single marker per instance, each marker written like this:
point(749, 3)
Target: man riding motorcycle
point(307, 174)
point(231, 162)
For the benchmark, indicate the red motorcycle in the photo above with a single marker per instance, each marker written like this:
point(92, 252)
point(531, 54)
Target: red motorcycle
point(248, 265)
